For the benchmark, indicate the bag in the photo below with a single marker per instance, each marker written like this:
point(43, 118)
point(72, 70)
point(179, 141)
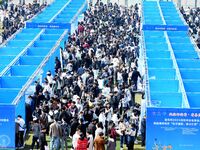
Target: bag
point(23, 127)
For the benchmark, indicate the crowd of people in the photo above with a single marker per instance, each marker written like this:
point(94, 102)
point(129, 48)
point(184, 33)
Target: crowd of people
point(13, 16)
point(91, 97)
point(192, 17)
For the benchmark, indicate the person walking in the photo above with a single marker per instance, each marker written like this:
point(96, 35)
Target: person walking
point(55, 134)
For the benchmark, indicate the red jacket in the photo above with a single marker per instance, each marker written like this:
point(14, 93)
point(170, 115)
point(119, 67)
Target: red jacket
point(80, 29)
point(82, 144)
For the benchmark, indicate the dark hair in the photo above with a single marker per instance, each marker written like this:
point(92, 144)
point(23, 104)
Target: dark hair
point(56, 119)
point(101, 134)
point(19, 116)
point(81, 136)
point(100, 125)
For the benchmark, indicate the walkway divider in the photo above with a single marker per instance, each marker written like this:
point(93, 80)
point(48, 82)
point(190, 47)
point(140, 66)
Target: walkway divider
point(59, 11)
point(146, 76)
point(147, 87)
point(180, 15)
point(161, 14)
point(78, 12)
point(185, 103)
point(39, 69)
point(31, 43)
point(21, 53)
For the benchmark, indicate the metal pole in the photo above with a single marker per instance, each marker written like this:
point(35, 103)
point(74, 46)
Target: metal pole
point(195, 3)
point(126, 3)
point(179, 3)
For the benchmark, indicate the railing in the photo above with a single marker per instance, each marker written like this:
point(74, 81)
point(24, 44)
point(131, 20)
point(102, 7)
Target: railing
point(143, 49)
point(59, 11)
point(146, 83)
point(78, 12)
point(185, 103)
point(39, 69)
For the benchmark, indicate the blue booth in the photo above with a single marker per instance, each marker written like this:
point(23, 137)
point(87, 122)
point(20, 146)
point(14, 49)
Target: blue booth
point(172, 80)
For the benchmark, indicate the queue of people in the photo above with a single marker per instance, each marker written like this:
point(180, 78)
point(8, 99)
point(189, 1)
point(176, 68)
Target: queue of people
point(192, 17)
point(13, 16)
point(91, 96)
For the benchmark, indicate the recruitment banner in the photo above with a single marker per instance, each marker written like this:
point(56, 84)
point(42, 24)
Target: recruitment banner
point(172, 129)
point(7, 126)
point(165, 27)
point(49, 25)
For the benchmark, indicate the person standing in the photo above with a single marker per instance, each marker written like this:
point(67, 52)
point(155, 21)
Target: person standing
point(111, 145)
point(65, 133)
point(75, 138)
point(36, 133)
point(99, 142)
point(90, 140)
point(143, 130)
point(82, 143)
point(55, 134)
point(22, 127)
point(198, 40)
point(43, 141)
point(122, 129)
point(130, 133)
point(134, 77)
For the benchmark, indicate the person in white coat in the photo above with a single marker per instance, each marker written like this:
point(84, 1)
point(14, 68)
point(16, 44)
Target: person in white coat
point(90, 140)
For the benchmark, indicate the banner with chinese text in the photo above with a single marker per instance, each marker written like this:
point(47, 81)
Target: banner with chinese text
point(7, 126)
point(172, 129)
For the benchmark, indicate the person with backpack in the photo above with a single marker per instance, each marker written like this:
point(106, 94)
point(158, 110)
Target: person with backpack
point(65, 133)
